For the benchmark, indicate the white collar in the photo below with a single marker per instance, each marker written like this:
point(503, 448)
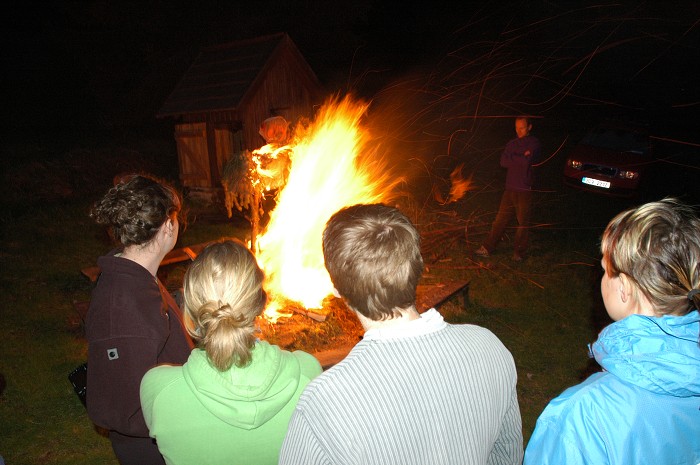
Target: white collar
point(429, 321)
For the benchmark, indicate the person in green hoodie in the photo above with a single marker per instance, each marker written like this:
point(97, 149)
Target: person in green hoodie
point(232, 400)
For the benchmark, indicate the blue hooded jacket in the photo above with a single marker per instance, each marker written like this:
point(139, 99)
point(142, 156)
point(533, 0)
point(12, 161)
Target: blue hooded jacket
point(643, 409)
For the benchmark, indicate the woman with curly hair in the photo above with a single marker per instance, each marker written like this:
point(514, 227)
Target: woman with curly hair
point(133, 323)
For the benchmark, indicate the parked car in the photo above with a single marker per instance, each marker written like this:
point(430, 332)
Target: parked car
point(613, 159)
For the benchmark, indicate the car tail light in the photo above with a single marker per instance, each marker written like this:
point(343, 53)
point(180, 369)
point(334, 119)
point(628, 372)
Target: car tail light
point(575, 164)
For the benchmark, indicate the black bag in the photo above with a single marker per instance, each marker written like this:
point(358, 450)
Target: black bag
point(78, 378)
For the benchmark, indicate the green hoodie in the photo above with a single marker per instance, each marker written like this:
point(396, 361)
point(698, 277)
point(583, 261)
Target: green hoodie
point(199, 415)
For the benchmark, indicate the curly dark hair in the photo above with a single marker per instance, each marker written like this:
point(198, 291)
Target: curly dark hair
point(136, 207)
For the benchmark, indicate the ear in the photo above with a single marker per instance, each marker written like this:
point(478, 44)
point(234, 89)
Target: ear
point(625, 288)
point(166, 229)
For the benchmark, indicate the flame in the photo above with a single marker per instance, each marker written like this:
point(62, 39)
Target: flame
point(459, 186)
point(333, 165)
point(270, 164)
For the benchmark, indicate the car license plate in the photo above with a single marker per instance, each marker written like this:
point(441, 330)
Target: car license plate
point(595, 182)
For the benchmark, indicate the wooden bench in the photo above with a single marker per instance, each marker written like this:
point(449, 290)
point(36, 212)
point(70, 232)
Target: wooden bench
point(174, 256)
point(433, 295)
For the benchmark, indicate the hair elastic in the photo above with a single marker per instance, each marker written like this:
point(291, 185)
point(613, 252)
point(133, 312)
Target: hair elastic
point(692, 293)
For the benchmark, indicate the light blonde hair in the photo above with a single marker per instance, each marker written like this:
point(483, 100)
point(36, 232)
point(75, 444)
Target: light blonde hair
point(223, 295)
point(657, 245)
point(372, 254)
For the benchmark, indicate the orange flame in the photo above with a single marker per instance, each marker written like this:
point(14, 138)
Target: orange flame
point(459, 186)
point(270, 163)
point(332, 166)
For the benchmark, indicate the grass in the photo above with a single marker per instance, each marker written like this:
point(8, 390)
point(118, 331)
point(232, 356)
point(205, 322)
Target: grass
point(40, 423)
point(545, 309)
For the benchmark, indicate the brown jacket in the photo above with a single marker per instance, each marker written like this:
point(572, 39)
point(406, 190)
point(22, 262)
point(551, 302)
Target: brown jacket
point(133, 324)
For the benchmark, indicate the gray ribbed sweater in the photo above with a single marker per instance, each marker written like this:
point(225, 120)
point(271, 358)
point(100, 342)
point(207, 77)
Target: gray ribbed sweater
point(447, 396)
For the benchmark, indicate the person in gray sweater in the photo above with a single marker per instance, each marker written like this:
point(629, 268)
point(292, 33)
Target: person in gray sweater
point(415, 390)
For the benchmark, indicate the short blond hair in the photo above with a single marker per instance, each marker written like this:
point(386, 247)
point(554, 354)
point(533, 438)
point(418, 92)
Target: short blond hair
point(223, 294)
point(372, 254)
point(657, 245)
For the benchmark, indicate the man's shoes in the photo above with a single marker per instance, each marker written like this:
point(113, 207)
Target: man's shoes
point(517, 257)
point(482, 252)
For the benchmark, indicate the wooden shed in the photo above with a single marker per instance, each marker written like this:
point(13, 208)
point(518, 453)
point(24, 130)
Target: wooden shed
point(227, 92)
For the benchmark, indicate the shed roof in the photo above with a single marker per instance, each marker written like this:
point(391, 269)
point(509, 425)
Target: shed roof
point(221, 76)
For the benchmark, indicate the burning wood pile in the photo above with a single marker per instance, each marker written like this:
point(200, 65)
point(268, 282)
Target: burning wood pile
point(321, 167)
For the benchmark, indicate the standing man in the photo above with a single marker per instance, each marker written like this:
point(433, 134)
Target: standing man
point(415, 390)
point(518, 158)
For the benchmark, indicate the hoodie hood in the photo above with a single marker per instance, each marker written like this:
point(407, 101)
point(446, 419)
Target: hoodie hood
point(659, 354)
point(245, 397)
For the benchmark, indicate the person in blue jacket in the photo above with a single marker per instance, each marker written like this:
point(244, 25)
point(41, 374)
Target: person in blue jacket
point(644, 407)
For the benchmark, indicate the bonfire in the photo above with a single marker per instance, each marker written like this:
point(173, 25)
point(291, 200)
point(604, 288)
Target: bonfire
point(326, 164)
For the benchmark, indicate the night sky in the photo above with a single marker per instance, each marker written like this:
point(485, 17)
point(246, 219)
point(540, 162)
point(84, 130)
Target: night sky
point(76, 65)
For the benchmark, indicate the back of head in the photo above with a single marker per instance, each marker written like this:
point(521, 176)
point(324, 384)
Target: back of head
point(223, 294)
point(136, 207)
point(372, 254)
point(657, 245)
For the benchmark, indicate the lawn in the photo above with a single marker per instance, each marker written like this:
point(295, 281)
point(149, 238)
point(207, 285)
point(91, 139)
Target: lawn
point(545, 309)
